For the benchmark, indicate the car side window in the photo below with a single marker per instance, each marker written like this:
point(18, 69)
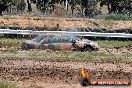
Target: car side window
point(66, 39)
point(39, 38)
point(45, 41)
point(54, 39)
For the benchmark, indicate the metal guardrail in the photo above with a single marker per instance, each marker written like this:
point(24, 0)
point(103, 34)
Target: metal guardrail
point(21, 32)
point(92, 34)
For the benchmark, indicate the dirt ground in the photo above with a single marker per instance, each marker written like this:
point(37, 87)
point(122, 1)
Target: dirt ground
point(114, 50)
point(23, 21)
point(27, 73)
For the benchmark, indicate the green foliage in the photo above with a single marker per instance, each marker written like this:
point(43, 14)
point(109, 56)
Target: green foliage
point(118, 17)
point(4, 84)
point(117, 6)
point(5, 1)
point(21, 5)
point(15, 2)
point(9, 42)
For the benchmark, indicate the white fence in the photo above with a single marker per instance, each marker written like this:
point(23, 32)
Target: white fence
point(92, 34)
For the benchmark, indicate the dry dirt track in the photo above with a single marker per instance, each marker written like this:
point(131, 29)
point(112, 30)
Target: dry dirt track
point(46, 74)
point(23, 22)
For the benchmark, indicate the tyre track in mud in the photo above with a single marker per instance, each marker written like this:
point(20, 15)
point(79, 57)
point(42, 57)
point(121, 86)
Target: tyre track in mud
point(23, 71)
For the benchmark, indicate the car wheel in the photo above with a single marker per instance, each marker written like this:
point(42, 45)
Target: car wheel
point(85, 82)
point(88, 48)
point(25, 47)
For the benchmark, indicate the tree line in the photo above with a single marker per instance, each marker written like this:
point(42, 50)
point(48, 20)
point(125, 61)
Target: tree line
point(88, 7)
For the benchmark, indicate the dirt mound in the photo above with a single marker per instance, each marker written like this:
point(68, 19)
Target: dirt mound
point(42, 21)
point(50, 22)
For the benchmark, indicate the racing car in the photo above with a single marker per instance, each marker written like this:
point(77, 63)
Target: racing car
point(59, 42)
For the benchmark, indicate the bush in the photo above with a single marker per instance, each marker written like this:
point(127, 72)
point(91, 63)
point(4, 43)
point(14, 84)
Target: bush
point(118, 17)
point(4, 84)
point(59, 10)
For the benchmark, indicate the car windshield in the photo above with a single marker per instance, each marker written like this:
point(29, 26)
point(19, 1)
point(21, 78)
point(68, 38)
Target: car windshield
point(39, 38)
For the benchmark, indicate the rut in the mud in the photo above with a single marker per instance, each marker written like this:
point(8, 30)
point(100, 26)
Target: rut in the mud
point(66, 71)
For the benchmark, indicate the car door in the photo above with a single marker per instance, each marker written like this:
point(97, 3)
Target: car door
point(44, 43)
point(50, 42)
point(54, 43)
point(66, 43)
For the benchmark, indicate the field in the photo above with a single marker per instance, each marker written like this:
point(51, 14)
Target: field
point(110, 51)
point(25, 22)
point(62, 69)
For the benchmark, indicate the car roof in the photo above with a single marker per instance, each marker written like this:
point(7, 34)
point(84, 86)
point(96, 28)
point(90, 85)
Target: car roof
point(50, 34)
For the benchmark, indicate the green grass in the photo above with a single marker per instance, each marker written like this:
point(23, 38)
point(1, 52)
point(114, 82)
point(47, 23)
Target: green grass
point(114, 43)
point(7, 42)
point(67, 55)
point(118, 17)
point(4, 84)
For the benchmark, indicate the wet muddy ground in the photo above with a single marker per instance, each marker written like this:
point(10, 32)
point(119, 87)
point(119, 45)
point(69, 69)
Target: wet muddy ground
point(114, 50)
point(47, 74)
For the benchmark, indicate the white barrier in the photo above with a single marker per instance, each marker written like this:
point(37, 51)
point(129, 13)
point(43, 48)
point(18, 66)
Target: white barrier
point(92, 34)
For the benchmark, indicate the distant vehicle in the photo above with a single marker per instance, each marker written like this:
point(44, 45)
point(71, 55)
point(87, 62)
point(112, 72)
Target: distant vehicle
point(60, 42)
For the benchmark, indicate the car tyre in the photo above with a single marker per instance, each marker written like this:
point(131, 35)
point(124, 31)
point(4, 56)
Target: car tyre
point(88, 48)
point(25, 47)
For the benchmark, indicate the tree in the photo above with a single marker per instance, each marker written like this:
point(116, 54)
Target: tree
point(72, 3)
point(116, 6)
point(29, 5)
point(4, 5)
point(19, 4)
point(89, 7)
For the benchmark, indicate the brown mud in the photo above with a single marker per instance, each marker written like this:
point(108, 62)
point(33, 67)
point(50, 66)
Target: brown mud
point(28, 73)
point(48, 74)
point(118, 50)
point(45, 23)
point(114, 50)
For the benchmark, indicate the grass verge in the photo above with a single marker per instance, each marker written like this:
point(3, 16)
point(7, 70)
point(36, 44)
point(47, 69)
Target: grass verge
point(117, 17)
point(114, 43)
point(4, 84)
point(66, 55)
point(7, 42)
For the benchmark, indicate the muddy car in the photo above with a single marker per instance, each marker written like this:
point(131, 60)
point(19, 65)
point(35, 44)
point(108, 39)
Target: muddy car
point(59, 42)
